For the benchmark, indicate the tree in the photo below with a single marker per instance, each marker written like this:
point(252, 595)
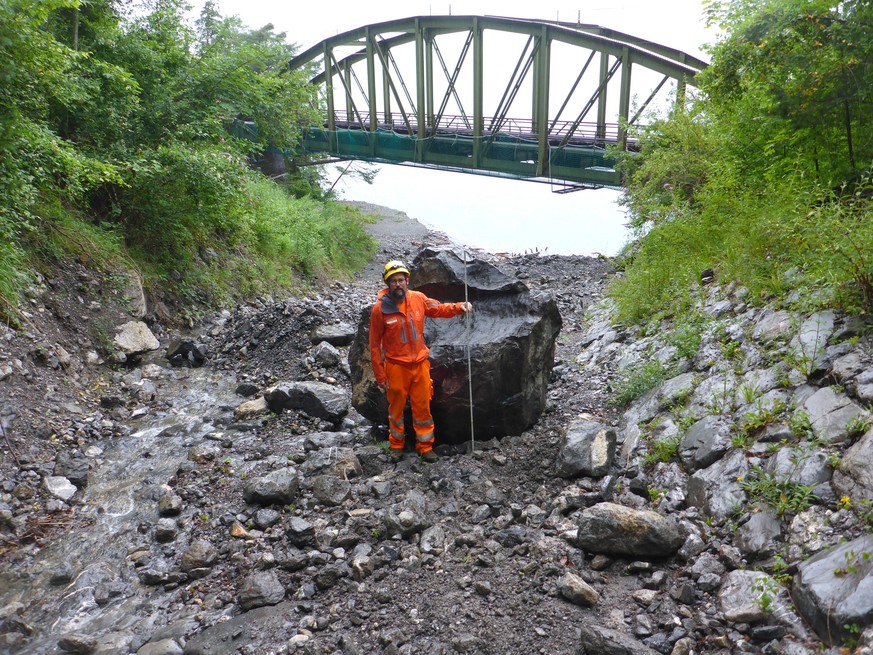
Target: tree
point(791, 83)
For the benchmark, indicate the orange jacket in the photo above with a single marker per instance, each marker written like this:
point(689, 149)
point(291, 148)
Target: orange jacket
point(397, 333)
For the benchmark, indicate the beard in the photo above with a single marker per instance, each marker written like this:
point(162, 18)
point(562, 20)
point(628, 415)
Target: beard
point(398, 294)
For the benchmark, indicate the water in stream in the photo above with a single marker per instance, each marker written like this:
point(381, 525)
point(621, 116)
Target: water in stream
point(65, 587)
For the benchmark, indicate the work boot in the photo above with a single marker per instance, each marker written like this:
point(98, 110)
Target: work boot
point(430, 457)
point(396, 454)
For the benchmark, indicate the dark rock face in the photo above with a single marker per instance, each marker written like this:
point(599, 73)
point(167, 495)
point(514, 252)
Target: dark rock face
point(511, 339)
point(832, 589)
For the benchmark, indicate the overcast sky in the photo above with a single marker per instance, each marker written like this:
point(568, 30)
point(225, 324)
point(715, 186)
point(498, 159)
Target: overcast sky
point(677, 23)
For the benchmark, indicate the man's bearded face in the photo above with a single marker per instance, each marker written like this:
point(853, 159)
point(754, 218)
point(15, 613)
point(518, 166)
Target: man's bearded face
point(397, 285)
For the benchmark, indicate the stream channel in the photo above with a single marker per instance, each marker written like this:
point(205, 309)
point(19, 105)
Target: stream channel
point(66, 587)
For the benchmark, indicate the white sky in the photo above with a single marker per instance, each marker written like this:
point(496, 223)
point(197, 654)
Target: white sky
point(677, 23)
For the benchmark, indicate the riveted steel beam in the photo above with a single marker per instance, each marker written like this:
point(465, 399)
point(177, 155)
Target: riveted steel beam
point(406, 124)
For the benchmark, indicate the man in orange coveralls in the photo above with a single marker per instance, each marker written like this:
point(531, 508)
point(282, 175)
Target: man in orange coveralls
point(399, 356)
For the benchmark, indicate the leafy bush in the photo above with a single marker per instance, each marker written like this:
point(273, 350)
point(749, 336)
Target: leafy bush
point(782, 495)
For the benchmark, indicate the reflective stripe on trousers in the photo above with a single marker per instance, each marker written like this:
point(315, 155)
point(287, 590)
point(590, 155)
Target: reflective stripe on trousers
point(410, 381)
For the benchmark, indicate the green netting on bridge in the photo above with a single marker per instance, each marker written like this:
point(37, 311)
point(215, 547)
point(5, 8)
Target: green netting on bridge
point(503, 153)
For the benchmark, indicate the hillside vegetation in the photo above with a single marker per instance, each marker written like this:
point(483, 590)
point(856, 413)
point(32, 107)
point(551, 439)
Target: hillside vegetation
point(115, 148)
point(765, 176)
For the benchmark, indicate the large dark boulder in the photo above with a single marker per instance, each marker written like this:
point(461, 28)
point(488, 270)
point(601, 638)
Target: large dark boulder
point(511, 337)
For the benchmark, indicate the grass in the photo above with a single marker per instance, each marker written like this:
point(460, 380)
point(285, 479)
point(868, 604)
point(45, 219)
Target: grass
point(276, 243)
point(637, 380)
point(794, 246)
point(784, 496)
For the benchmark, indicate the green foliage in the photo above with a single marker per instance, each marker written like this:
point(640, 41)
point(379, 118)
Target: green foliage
point(800, 424)
point(662, 450)
point(766, 172)
point(637, 380)
point(686, 337)
point(766, 590)
point(121, 113)
point(784, 496)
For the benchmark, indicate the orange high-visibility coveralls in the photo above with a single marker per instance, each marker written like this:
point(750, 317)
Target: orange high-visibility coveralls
point(399, 357)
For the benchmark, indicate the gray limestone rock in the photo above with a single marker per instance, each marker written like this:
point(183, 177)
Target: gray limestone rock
point(261, 588)
point(717, 490)
point(278, 487)
point(317, 399)
point(833, 589)
point(589, 450)
point(617, 530)
point(854, 476)
point(705, 442)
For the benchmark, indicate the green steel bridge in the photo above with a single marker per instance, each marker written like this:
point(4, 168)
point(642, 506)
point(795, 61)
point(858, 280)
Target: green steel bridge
point(528, 99)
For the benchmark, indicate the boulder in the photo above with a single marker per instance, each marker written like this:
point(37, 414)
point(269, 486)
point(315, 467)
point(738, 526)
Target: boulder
point(589, 450)
point(134, 338)
point(314, 398)
point(832, 413)
point(618, 530)
point(279, 486)
point(511, 341)
point(833, 589)
point(854, 476)
point(260, 589)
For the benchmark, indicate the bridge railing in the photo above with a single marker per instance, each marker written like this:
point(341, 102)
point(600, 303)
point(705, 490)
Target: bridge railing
point(568, 132)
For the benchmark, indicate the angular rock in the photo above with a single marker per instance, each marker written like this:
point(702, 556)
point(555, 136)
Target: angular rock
point(183, 352)
point(326, 354)
point(278, 487)
point(773, 324)
point(244, 631)
point(339, 462)
point(831, 413)
point(166, 530)
point(59, 487)
point(200, 554)
point(717, 490)
point(338, 334)
point(705, 442)
point(169, 505)
point(330, 490)
point(805, 466)
point(78, 643)
point(134, 338)
point(511, 330)
point(251, 409)
point(300, 532)
point(261, 588)
point(617, 530)
point(740, 596)
point(588, 450)
point(833, 589)
point(854, 476)
point(598, 640)
point(573, 588)
point(757, 536)
point(169, 646)
point(73, 467)
point(315, 398)
point(811, 340)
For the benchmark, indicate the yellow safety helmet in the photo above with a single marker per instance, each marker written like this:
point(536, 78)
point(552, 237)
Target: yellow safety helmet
point(392, 268)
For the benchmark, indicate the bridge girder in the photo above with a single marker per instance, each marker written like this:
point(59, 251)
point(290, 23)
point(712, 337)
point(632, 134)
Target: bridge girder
point(540, 144)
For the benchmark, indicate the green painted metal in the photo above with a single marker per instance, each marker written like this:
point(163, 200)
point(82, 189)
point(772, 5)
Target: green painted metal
point(401, 127)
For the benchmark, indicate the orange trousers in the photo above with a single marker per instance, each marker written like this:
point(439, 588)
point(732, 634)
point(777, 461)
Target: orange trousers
point(410, 381)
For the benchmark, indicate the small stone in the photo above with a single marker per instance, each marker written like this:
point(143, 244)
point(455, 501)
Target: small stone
point(77, 643)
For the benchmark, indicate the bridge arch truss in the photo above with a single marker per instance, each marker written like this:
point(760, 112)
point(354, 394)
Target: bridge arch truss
point(487, 94)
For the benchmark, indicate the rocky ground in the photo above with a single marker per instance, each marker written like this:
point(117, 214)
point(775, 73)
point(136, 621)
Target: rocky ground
point(286, 533)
